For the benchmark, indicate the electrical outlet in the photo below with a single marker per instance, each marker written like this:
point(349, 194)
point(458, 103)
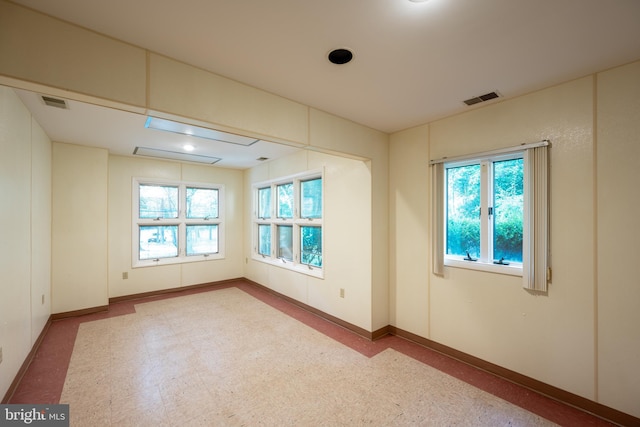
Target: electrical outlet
point(341, 292)
point(125, 275)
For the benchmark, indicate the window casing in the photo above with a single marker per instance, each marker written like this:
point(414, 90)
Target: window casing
point(176, 222)
point(535, 267)
point(484, 213)
point(287, 223)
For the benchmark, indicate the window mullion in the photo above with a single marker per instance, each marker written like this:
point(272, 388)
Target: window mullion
point(485, 204)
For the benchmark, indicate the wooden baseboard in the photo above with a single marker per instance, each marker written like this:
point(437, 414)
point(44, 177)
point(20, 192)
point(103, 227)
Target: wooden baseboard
point(76, 313)
point(555, 393)
point(27, 361)
point(174, 290)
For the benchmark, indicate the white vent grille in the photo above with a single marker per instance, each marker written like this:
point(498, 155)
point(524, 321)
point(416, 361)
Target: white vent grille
point(482, 98)
point(55, 102)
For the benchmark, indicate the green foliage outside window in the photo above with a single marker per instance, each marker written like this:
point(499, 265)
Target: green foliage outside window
point(463, 210)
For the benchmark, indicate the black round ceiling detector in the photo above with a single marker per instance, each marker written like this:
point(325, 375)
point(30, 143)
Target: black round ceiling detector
point(340, 56)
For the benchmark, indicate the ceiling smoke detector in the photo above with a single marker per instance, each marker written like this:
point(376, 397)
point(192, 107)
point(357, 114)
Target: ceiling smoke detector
point(482, 98)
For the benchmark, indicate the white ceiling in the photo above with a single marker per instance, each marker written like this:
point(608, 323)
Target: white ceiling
point(413, 62)
point(121, 132)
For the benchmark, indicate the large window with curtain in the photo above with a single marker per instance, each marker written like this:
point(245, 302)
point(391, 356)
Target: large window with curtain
point(491, 213)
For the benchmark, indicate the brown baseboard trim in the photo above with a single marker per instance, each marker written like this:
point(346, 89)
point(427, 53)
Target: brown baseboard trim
point(174, 290)
point(76, 313)
point(351, 327)
point(27, 361)
point(550, 391)
point(375, 335)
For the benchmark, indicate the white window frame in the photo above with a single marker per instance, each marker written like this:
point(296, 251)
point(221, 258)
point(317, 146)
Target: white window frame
point(485, 261)
point(536, 270)
point(181, 221)
point(296, 222)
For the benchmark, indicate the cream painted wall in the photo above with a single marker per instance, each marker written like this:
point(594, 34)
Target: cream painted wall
point(568, 338)
point(85, 62)
point(409, 220)
point(347, 229)
point(618, 177)
point(122, 170)
point(79, 238)
point(25, 252)
point(40, 229)
point(334, 134)
point(490, 316)
point(176, 87)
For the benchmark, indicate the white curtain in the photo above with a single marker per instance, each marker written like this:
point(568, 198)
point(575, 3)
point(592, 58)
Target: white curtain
point(535, 245)
point(437, 226)
point(535, 249)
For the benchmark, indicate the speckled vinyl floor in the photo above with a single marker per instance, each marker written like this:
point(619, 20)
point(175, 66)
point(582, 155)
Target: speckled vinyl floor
point(226, 358)
point(236, 355)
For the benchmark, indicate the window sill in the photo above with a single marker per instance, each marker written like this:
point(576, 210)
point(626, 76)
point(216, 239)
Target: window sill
point(176, 260)
point(511, 269)
point(290, 265)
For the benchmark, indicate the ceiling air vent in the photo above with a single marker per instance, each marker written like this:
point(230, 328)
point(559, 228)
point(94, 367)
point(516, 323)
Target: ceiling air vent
point(55, 102)
point(482, 98)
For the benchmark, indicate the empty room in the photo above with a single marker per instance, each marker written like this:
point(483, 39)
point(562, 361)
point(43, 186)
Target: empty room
point(363, 212)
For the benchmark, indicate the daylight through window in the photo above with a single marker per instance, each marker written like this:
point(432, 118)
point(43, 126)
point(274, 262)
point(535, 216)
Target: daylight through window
point(288, 223)
point(176, 222)
point(491, 213)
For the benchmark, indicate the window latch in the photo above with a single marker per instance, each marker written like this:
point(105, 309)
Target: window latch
point(468, 257)
point(490, 211)
point(501, 261)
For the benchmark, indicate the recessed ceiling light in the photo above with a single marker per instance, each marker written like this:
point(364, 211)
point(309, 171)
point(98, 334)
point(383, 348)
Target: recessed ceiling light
point(197, 131)
point(340, 56)
point(188, 147)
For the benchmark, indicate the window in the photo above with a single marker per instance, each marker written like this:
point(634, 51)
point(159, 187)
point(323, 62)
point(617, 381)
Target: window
point(491, 213)
point(176, 222)
point(288, 223)
point(484, 210)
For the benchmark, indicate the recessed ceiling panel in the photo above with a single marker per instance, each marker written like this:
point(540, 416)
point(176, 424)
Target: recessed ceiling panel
point(174, 155)
point(197, 131)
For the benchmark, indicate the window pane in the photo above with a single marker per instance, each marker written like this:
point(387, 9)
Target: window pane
point(264, 239)
point(508, 205)
point(285, 200)
point(158, 201)
point(264, 202)
point(311, 244)
point(285, 242)
point(463, 210)
point(202, 239)
point(158, 241)
point(311, 203)
point(202, 202)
